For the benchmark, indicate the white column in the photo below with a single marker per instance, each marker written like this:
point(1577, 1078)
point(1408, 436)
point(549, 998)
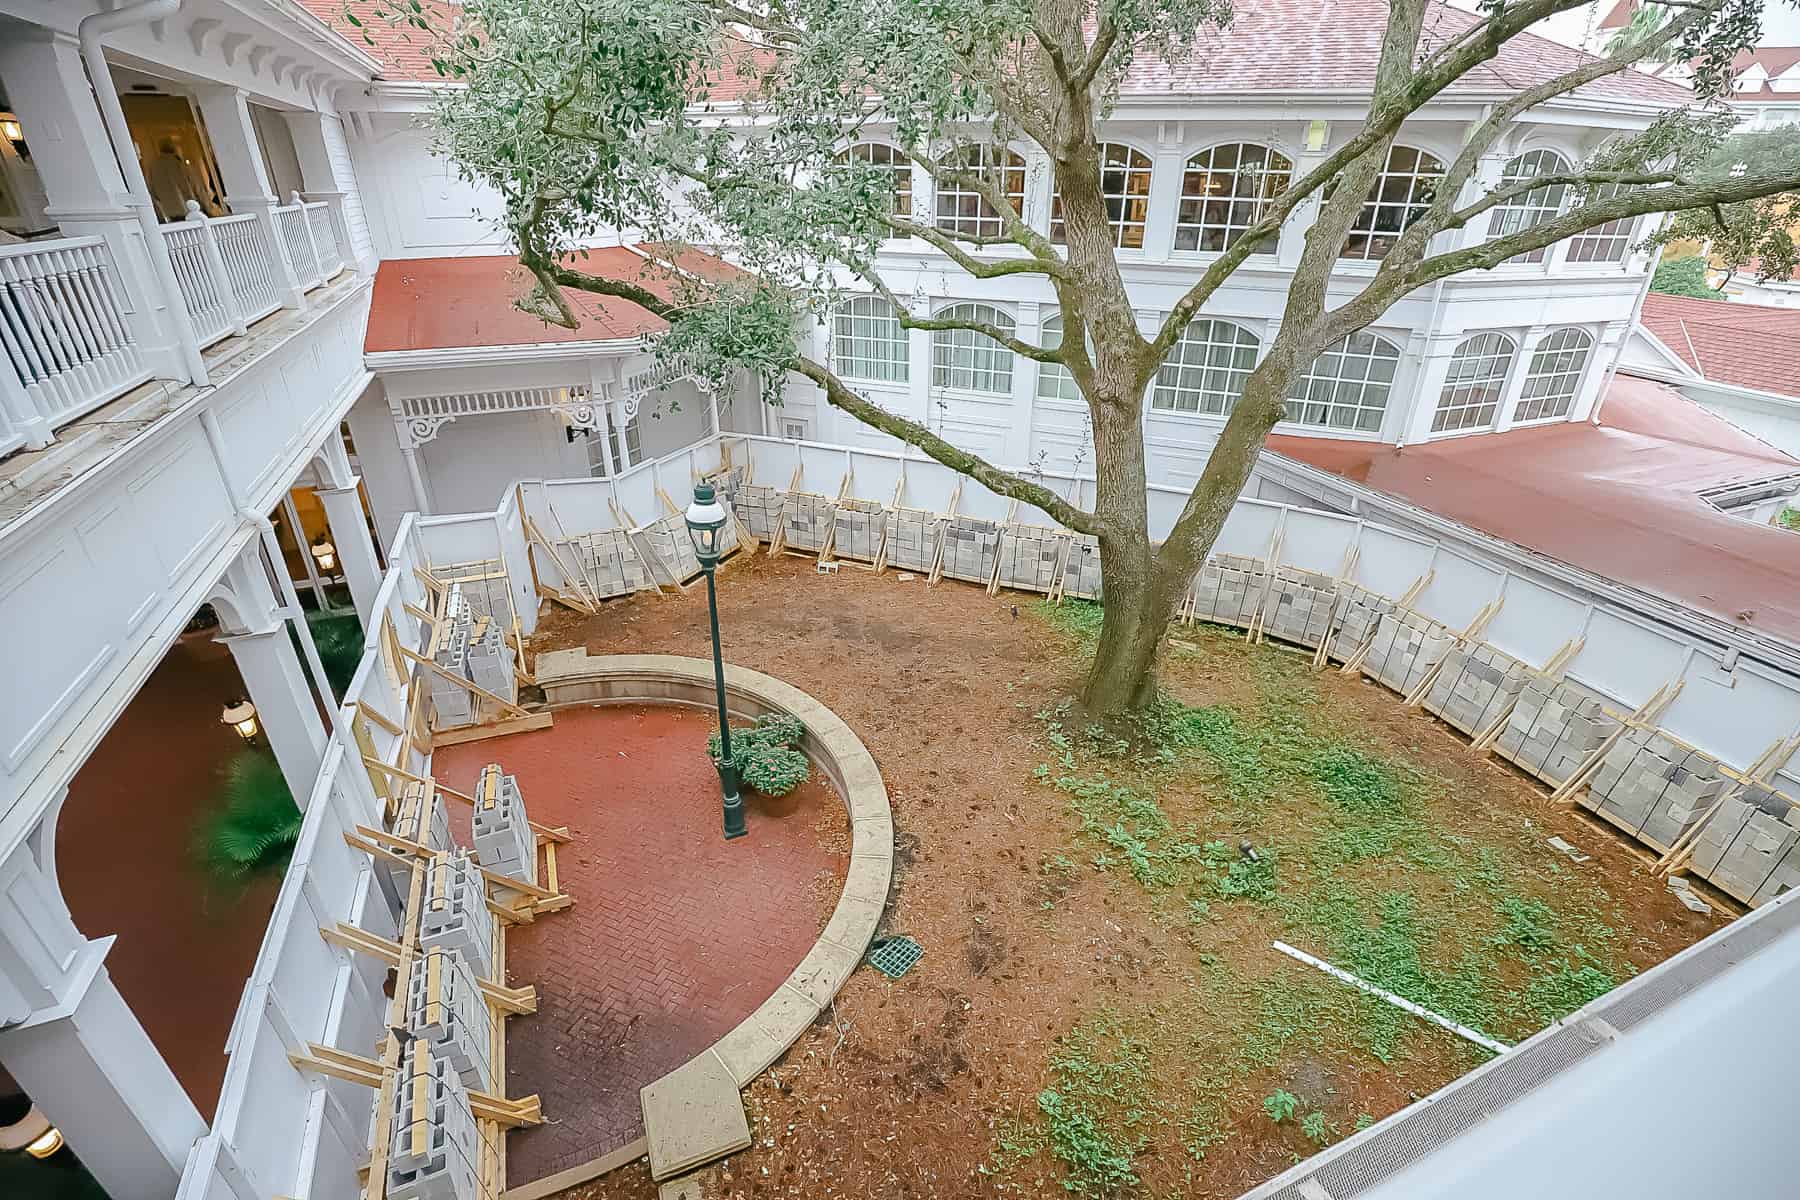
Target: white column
point(1515, 378)
point(248, 188)
point(1166, 173)
point(47, 86)
point(255, 630)
point(1428, 386)
point(355, 547)
point(75, 1047)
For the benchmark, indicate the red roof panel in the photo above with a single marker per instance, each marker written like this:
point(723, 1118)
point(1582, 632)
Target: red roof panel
point(1749, 345)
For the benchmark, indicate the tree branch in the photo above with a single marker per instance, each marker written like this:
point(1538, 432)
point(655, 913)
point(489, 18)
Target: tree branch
point(947, 242)
point(1000, 482)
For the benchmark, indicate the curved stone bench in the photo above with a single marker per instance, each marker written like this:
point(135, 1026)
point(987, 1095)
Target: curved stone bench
point(694, 1115)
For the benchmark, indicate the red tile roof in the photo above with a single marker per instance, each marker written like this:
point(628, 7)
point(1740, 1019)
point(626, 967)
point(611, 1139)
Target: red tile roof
point(1749, 345)
point(457, 303)
point(1270, 46)
point(1775, 61)
point(1619, 499)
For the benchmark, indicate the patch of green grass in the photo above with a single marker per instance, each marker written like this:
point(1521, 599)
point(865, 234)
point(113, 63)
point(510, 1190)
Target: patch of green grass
point(1530, 925)
point(1565, 987)
point(1096, 1109)
point(1077, 619)
point(1354, 782)
point(1314, 1127)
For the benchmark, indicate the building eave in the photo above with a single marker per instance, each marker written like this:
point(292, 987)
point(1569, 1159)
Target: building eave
point(440, 357)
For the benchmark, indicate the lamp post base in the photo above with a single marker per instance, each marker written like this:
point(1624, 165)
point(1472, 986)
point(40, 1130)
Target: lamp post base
point(734, 803)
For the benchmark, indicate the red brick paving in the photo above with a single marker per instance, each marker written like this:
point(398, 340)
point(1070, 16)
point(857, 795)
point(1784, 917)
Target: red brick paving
point(676, 935)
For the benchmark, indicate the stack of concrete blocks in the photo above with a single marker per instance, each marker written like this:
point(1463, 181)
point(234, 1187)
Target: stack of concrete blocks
point(1407, 645)
point(1475, 686)
point(857, 530)
point(1029, 557)
point(726, 483)
point(1299, 606)
point(1557, 725)
point(671, 547)
point(759, 507)
point(454, 913)
point(912, 538)
point(608, 561)
point(1751, 847)
point(451, 705)
point(445, 1007)
point(1229, 588)
point(1359, 614)
point(419, 816)
point(490, 659)
point(483, 597)
point(500, 829)
point(435, 1153)
point(1081, 569)
point(805, 516)
point(1653, 786)
point(971, 547)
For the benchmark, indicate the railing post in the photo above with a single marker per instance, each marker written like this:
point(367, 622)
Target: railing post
point(215, 266)
point(21, 413)
point(286, 277)
point(306, 225)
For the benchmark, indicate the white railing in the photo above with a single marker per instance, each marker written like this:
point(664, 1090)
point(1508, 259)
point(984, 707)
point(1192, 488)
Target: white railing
point(250, 263)
point(207, 293)
point(290, 219)
point(325, 243)
point(65, 328)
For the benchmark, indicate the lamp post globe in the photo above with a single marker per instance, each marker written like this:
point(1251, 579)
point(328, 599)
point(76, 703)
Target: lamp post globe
point(705, 520)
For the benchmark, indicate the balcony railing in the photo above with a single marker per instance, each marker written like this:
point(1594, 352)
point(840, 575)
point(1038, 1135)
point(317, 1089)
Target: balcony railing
point(229, 269)
point(64, 323)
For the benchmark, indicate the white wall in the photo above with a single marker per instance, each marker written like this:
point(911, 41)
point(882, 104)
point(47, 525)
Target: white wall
point(473, 461)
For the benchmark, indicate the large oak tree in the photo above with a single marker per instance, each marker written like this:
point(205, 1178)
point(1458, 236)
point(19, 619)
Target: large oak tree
point(586, 115)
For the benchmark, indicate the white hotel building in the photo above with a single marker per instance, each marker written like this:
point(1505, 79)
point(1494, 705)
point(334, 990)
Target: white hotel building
point(251, 313)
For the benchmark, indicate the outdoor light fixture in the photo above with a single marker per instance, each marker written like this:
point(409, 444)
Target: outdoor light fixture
point(46, 1143)
point(12, 131)
point(33, 1133)
point(325, 554)
point(705, 518)
point(1316, 133)
point(241, 716)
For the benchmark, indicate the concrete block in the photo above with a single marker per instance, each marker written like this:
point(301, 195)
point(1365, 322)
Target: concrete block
point(454, 913)
point(500, 828)
point(435, 1150)
point(445, 1007)
point(693, 1116)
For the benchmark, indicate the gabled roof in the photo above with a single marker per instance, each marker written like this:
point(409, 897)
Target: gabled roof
point(1748, 345)
point(1270, 46)
point(1767, 65)
point(467, 303)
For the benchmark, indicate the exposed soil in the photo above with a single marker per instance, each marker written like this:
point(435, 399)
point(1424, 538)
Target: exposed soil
point(1157, 1009)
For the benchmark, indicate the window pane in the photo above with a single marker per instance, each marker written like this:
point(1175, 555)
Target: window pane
point(1399, 196)
point(1224, 191)
point(968, 361)
point(1125, 188)
point(867, 341)
point(1554, 376)
point(1204, 372)
point(1474, 384)
point(1347, 385)
point(961, 209)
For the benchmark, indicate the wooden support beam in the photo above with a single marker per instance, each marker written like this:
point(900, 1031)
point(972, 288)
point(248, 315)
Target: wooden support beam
point(467, 684)
point(1648, 711)
point(517, 1000)
point(374, 714)
point(416, 849)
point(480, 733)
point(355, 1068)
point(554, 834)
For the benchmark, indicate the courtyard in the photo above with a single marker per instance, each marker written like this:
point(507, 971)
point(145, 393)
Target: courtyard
point(1100, 1006)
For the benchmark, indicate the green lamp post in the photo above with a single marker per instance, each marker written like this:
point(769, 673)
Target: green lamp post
point(705, 520)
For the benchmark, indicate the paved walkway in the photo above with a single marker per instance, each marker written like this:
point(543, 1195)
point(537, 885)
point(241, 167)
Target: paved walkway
point(676, 935)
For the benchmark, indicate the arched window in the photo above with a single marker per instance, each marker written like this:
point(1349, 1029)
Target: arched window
point(1606, 243)
point(1054, 380)
point(1204, 372)
point(1347, 386)
point(1534, 207)
point(1554, 376)
point(1225, 190)
point(1405, 188)
point(894, 163)
point(1472, 389)
point(968, 361)
point(867, 341)
point(961, 209)
point(1125, 186)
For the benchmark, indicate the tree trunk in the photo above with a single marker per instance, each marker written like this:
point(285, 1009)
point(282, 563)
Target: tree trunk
point(1122, 679)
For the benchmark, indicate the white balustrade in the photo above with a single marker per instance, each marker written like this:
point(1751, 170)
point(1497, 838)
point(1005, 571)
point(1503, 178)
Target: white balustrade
point(250, 263)
point(205, 291)
point(290, 219)
point(64, 327)
point(324, 235)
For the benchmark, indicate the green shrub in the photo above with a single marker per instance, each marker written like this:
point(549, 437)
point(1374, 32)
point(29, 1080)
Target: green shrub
point(765, 756)
point(339, 638)
point(257, 823)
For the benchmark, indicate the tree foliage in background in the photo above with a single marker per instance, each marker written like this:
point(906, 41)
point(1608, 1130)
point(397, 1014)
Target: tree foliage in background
point(1685, 276)
point(339, 638)
point(1753, 238)
point(587, 115)
point(256, 823)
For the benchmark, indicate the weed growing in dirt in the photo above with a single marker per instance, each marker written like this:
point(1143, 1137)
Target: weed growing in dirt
point(1096, 1108)
point(1078, 619)
point(1280, 1105)
point(1565, 987)
point(1239, 876)
point(1530, 925)
point(1314, 1127)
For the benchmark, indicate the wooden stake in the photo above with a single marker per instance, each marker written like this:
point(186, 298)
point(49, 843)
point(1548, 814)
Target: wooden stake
point(470, 685)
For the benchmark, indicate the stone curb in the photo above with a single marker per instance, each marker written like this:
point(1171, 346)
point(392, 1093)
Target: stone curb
point(688, 1096)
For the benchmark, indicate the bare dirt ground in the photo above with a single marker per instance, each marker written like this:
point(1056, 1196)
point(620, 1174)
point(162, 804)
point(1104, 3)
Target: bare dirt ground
point(1099, 1007)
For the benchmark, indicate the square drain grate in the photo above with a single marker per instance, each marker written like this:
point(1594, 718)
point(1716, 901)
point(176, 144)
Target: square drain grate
point(896, 956)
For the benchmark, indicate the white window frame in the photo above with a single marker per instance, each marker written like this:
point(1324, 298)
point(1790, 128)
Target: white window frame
point(1553, 378)
point(1475, 385)
point(1357, 364)
point(1533, 208)
point(896, 163)
point(1208, 363)
point(988, 161)
point(1125, 187)
point(1419, 185)
point(1605, 245)
point(1245, 194)
point(793, 429)
point(1054, 381)
point(868, 343)
point(963, 360)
